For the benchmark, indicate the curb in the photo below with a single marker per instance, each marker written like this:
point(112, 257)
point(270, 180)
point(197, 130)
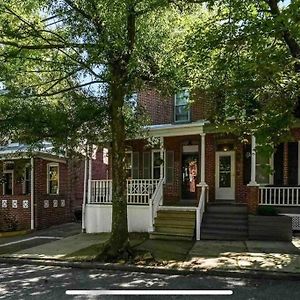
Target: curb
point(254, 274)
point(14, 233)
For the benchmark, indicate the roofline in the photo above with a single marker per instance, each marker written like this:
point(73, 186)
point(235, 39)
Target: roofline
point(165, 130)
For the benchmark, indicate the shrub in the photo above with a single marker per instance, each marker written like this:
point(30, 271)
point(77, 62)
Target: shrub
point(266, 211)
point(11, 223)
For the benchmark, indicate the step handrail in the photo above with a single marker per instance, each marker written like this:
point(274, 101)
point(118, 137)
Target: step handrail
point(200, 211)
point(155, 202)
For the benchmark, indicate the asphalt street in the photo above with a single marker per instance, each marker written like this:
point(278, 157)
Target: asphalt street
point(48, 282)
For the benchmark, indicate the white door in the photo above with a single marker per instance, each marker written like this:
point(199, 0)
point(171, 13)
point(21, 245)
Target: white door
point(225, 175)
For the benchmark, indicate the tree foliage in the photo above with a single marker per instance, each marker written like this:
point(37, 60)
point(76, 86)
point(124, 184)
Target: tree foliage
point(69, 69)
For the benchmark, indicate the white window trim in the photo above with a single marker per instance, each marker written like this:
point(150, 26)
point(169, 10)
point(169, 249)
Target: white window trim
point(48, 178)
point(189, 110)
point(131, 162)
point(152, 162)
point(271, 176)
point(13, 177)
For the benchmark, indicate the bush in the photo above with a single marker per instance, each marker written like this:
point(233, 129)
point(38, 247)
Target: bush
point(266, 211)
point(11, 223)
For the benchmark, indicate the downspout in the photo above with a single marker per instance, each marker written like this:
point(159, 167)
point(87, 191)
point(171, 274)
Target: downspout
point(32, 194)
point(84, 195)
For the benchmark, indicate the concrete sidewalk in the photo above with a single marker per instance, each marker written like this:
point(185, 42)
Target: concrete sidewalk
point(247, 255)
point(203, 256)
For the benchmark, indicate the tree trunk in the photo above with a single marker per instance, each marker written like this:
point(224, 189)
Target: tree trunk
point(118, 242)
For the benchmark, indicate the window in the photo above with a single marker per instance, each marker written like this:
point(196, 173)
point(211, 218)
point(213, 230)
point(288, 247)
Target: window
point(128, 164)
point(27, 180)
point(264, 166)
point(181, 107)
point(156, 164)
point(53, 179)
point(8, 174)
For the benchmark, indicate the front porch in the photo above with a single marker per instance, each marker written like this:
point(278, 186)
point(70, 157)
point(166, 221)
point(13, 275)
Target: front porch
point(186, 174)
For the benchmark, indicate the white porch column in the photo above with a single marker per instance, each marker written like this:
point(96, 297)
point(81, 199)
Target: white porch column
point(202, 171)
point(32, 193)
point(84, 193)
point(90, 180)
point(253, 162)
point(162, 175)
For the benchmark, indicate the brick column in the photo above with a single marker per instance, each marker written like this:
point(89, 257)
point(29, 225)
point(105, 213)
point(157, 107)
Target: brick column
point(252, 198)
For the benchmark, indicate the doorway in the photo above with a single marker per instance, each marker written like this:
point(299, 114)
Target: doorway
point(225, 175)
point(189, 175)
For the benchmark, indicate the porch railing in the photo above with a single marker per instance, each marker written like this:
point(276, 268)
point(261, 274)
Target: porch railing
point(279, 196)
point(156, 201)
point(139, 191)
point(200, 210)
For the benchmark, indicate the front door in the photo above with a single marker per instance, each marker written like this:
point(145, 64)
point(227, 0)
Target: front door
point(225, 175)
point(189, 175)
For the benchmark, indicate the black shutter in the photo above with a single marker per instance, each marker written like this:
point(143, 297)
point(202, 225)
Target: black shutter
point(293, 163)
point(278, 165)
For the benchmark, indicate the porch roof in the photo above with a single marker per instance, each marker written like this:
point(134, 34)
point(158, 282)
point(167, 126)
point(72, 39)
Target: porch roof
point(164, 130)
point(17, 150)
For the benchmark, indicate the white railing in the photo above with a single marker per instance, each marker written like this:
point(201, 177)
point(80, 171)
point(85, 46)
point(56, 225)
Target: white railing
point(200, 210)
point(279, 196)
point(139, 191)
point(155, 202)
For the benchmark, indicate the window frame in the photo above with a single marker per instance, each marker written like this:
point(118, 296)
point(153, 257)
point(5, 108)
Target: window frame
point(187, 104)
point(271, 176)
point(49, 165)
point(27, 166)
point(131, 163)
point(152, 163)
point(12, 178)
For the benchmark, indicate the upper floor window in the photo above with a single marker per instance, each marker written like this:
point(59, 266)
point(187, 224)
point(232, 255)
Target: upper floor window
point(181, 107)
point(53, 179)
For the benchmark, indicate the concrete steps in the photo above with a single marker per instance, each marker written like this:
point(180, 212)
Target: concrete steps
point(225, 222)
point(174, 225)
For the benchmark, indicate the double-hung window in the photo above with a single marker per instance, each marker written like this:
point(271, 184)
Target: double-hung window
point(181, 107)
point(27, 180)
point(8, 174)
point(53, 179)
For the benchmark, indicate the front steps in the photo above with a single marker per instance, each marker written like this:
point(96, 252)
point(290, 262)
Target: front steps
point(225, 221)
point(172, 224)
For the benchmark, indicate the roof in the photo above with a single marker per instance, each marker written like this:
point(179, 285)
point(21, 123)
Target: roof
point(19, 149)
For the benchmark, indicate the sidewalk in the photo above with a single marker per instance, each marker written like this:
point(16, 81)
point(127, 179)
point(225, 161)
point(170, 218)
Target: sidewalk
point(157, 255)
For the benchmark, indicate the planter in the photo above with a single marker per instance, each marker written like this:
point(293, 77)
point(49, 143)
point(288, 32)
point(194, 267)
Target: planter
point(270, 228)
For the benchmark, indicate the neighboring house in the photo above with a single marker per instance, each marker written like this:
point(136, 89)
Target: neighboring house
point(40, 188)
point(195, 165)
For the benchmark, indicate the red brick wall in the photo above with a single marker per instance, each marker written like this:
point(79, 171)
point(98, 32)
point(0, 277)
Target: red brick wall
point(45, 217)
point(161, 108)
point(22, 215)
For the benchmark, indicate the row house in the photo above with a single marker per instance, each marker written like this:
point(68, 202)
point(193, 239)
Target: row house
point(193, 166)
point(40, 188)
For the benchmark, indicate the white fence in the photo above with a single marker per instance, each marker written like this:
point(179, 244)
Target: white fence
point(139, 191)
point(144, 197)
point(279, 196)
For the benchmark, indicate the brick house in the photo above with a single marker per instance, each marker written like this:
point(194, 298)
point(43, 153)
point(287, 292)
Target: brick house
point(41, 189)
point(195, 165)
